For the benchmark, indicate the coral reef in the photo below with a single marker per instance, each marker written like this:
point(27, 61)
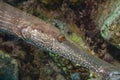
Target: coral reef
point(69, 69)
point(33, 63)
point(109, 22)
point(76, 18)
point(8, 67)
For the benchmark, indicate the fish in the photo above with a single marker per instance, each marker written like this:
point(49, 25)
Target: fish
point(44, 35)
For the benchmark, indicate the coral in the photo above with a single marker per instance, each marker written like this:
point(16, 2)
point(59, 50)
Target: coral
point(80, 15)
point(109, 22)
point(114, 30)
point(8, 67)
point(70, 70)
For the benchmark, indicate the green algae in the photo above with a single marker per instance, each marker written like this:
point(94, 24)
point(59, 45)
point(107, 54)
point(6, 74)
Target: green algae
point(77, 39)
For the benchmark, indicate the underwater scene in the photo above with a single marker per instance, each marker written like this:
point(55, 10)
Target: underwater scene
point(59, 39)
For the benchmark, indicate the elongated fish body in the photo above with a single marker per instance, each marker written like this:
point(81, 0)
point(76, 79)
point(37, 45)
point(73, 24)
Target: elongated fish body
point(41, 34)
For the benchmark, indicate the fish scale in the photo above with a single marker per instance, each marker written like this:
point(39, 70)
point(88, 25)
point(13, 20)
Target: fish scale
point(41, 34)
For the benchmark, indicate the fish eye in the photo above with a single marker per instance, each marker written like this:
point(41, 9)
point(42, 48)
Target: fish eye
point(61, 38)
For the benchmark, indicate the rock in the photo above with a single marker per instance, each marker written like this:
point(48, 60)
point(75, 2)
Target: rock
point(60, 77)
point(109, 22)
point(75, 76)
point(8, 67)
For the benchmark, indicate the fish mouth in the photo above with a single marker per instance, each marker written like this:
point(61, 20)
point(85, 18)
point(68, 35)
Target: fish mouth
point(114, 75)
